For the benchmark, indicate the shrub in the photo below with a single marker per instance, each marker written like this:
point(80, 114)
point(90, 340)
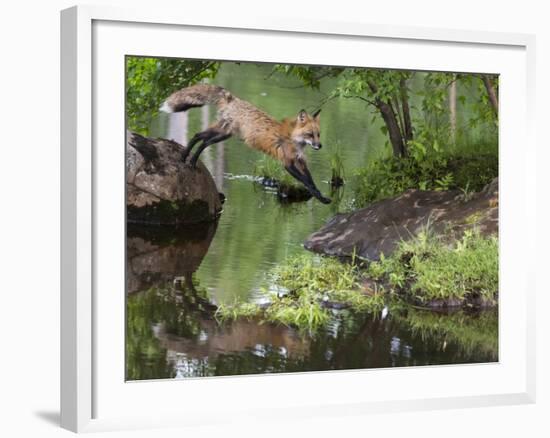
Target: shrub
point(425, 169)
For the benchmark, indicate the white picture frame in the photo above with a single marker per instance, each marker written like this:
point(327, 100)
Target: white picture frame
point(90, 401)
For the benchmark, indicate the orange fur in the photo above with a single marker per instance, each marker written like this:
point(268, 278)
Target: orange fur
point(255, 127)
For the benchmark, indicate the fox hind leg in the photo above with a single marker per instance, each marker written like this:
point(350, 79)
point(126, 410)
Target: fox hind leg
point(204, 136)
point(196, 138)
point(212, 140)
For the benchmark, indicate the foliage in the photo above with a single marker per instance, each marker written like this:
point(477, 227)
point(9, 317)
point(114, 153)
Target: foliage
point(427, 167)
point(482, 109)
point(428, 268)
point(388, 92)
point(151, 80)
point(371, 85)
point(310, 76)
point(385, 90)
point(435, 123)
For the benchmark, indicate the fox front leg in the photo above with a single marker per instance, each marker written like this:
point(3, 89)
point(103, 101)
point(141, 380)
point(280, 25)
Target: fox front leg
point(306, 180)
point(309, 178)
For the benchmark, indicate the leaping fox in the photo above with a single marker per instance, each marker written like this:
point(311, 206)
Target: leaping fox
point(284, 140)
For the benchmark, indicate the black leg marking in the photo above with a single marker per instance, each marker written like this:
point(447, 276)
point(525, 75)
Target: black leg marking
point(196, 138)
point(308, 176)
point(307, 181)
point(299, 176)
point(221, 136)
point(312, 184)
point(205, 135)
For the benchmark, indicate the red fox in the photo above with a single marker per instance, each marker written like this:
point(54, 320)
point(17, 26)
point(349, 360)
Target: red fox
point(284, 140)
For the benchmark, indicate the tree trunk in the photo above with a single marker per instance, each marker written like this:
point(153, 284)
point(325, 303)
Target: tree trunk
point(491, 93)
point(396, 106)
point(406, 110)
point(452, 110)
point(394, 132)
point(390, 119)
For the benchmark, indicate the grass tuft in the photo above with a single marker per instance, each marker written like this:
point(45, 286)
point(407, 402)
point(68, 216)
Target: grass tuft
point(336, 167)
point(314, 285)
point(237, 310)
point(428, 268)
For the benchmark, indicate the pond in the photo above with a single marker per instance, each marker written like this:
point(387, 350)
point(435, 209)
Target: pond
point(175, 277)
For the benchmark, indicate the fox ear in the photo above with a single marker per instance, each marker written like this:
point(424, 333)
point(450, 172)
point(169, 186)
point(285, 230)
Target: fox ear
point(302, 116)
point(316, 114)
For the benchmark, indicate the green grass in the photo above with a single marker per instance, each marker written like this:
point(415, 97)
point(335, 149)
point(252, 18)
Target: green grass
point(336, 165)
point(311, 281)
point(428, 268)
point(303, 312)
point(237, 310)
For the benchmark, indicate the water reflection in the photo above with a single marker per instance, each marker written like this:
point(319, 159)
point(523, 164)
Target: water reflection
point(156, 256)
point(183, 335)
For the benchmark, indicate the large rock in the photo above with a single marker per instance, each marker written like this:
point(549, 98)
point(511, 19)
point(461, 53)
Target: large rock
point(161, 190)
point(379, 227)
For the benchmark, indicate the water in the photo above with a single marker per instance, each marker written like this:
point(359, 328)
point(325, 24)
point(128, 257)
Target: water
point(171, 331)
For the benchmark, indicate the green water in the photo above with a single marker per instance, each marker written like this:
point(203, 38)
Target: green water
point(169, 337)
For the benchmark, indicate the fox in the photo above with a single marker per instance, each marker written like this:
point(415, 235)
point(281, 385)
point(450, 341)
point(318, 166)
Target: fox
point(284, 140)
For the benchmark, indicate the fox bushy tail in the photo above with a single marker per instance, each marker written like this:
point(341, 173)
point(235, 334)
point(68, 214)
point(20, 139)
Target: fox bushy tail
point(193, 97)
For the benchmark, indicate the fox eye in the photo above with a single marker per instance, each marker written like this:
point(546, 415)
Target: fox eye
point(309, 134)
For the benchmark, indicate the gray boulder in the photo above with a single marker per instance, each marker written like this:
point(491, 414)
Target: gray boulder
point(161, 190)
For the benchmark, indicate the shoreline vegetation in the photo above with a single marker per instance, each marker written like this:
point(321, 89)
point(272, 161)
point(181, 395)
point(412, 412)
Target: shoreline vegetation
point(428, 272)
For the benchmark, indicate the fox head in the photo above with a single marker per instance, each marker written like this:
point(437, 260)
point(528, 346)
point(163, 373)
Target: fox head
point(307, 130)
